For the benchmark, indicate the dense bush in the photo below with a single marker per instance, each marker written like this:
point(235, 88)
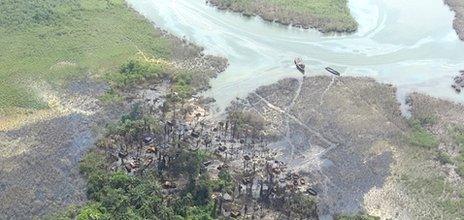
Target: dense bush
point(136, 71)
point(301, 205)
point(245, 121)
point(117, 195)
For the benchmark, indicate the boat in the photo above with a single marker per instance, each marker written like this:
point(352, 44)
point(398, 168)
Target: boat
point(299, 65)
point(330, 70)
point(311, 191)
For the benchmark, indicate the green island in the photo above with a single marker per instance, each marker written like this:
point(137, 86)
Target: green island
point(324, 15)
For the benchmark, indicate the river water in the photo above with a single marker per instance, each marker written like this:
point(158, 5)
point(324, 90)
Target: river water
point(410, 44)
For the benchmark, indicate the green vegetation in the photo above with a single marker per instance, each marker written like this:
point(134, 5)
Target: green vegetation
point(457, 132)
point(169, 177)
point(57, 40)
point(325, 15)
point(420, 175)
point(357, 217)
point(245, 123)
point(444, 158)
point(136, 71)
point(117, 195)
point(140, 72)
point(444, 195)
point(420, 136)
point(300, 206)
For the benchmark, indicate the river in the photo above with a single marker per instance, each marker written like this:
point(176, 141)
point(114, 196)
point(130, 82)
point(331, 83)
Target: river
point(410, 44)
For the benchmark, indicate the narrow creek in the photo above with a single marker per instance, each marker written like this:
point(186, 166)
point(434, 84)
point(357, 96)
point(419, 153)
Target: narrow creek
point(409, 44)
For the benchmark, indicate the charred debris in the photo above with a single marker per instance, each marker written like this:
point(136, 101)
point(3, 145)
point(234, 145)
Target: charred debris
point(178, 144)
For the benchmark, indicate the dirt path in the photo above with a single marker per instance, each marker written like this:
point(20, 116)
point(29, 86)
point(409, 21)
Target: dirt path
point(326, 90)
point(298, 121)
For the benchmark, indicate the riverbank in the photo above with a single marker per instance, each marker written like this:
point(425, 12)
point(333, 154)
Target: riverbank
point(48, 125)
point(348, 137)
point(458, 23)
point(326, 16)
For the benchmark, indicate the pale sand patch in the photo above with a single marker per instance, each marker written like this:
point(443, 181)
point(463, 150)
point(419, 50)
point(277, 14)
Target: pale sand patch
point(389, 201)
point(11, 148)
point(58, 105)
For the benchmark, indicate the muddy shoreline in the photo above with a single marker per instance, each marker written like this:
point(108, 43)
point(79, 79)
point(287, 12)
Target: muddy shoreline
point(458, 24)
point(278, 15)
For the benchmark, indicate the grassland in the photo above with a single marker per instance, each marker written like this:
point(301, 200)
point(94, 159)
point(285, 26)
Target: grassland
point(56, 41)
point(324, 15)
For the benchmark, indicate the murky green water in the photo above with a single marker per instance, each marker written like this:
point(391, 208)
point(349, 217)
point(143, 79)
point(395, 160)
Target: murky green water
point(410, 44)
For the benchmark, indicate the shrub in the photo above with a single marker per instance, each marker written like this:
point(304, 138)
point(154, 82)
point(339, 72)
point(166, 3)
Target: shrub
point(136, 71)
point(444, 158)
point(188, 163)
point(421, 137)
point(243, 121)
point(302, 205)
point(357, 217)
point(92, 211)
point(460, 170)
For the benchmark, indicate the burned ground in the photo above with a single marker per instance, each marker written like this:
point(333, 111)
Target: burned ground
point(39, 164)
point(347, 134)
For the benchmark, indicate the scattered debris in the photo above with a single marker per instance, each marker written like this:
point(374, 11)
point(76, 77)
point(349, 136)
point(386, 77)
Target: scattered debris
point(235, 214)
point(195, 134)
point(169, 185)
point(148, 139)
point(207, 163)
point(222, 148)
point(226, 197)
point(152, 150)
